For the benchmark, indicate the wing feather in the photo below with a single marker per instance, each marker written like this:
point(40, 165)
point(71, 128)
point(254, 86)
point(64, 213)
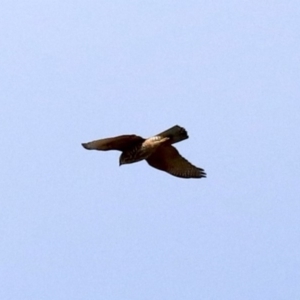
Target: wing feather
point(168, 159)
point(120, 143)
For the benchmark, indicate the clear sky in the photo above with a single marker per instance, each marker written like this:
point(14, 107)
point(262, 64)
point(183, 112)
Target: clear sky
point(74, 225)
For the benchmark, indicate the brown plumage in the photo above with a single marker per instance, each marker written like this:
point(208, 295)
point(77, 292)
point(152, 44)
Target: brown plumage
point(157, 151)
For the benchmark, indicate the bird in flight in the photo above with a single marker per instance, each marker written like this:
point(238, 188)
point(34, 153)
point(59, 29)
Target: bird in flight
point(156, 150)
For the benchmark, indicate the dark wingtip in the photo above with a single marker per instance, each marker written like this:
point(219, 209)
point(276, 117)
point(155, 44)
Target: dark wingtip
point(202, 173)
point(85, 146)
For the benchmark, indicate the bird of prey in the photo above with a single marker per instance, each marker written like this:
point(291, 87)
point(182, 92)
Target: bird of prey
point(156, 150)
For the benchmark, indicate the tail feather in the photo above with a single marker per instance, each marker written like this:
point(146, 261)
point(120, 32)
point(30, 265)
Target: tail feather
point(175, 134)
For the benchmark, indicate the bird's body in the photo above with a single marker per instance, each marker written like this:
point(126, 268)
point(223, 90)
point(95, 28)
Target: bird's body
point(142, 150)
point(157, 151)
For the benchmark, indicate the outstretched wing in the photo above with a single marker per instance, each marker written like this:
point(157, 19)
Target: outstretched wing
point(120, 143)
point(168, 159)
point(175, 134)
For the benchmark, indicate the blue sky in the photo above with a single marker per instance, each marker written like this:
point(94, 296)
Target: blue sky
point(75, 225)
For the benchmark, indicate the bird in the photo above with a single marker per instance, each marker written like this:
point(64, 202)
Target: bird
point(157, 150)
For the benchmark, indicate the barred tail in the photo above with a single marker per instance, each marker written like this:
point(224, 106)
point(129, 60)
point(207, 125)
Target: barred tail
point(175, 134)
